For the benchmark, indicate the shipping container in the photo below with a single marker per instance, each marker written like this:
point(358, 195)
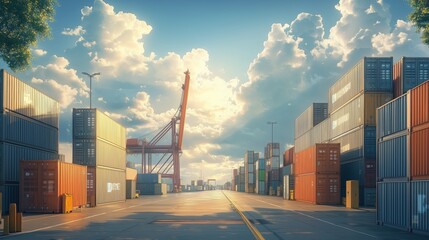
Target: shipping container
point(370, 74)
point(96, 152)
point(313, 115)
point(392, 117)
point(353, 170)
point(43, 183)
point(131, 189)
point(358, 144)
point(22, 130)
point(420, 154)
point(303, 142)
point(286, 170)
point(408, 73)
point(250, 159)
point(21, 98)
point(288, 156)
point(420, 106)
point(10, 194)
point(149, 178)
point(318, 188)
point(91, 185)
point(110, 185)
point(360, 111)
point(320, 158)
point(92, 123)
point(393, 158)
point(393, 204)
point(321, 132)
point(131, 174)
point(11, 154)
point(155, 188)
point(420, 206)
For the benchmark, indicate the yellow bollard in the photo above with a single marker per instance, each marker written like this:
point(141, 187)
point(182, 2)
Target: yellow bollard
point(19, 222)
point(12, 218)
point(6, 225)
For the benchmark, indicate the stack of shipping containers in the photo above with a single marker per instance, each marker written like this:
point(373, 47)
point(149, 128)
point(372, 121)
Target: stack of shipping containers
point(261, 177)
point(99, 143)
point(234, 179)
point(43, 183)
point(272, 157)
point(250, 158)
point(317, 174)
point(408, 73)
point(29, 126)
point(241, 179)
point(353, 101)
point(151, 184)
point(402, 162)
point(287, 173)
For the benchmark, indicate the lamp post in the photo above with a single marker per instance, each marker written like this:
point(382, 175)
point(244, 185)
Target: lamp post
point(90, 85)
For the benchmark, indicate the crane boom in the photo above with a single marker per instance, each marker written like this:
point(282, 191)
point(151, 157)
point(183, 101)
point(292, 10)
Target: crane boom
point(183, 108)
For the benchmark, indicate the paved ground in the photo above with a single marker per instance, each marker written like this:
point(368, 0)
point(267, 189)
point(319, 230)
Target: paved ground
point(208, 215)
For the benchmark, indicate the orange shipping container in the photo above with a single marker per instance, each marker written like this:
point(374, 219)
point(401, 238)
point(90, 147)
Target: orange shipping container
point(320, 158)
point(43, 182)
point(420, 154)
point(420, 105)
point(318, 188)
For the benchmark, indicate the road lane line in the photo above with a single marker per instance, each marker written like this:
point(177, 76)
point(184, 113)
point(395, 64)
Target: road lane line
point(318, 219)
point(252, 228)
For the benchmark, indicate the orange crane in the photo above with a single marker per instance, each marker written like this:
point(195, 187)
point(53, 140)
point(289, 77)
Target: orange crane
point(168, 152)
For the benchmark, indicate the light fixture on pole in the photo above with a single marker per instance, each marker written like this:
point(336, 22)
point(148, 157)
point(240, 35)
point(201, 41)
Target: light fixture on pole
point(90, 85)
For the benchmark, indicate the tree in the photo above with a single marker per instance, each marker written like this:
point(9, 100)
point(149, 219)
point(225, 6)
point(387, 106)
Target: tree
point(22, 24)
point(420, 18)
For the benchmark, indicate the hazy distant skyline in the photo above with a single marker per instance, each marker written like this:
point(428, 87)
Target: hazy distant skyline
point(250, 62)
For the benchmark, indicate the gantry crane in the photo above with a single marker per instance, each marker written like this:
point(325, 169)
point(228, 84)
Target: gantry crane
point(168, 152)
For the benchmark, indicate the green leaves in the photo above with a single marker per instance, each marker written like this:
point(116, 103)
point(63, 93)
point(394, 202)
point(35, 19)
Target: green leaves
point(22, 24)
point(420, 18)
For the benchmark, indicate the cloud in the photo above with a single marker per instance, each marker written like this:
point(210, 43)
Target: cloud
point(38, 52)
point(78, 31)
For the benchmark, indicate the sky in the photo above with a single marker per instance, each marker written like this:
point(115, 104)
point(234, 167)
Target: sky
point(250, 61)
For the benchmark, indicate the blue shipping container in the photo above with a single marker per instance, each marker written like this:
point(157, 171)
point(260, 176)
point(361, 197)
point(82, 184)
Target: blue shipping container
point(149, 178)
point(392, 158)
point(370, 143)
point(393, 204)
point(10, 194)
point(392, 117)
point(420, 206)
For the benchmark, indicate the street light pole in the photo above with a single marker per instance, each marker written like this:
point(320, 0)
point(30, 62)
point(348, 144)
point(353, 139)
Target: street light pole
point(90, 85)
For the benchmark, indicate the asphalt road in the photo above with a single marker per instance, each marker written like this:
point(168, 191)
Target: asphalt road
point(208, 215)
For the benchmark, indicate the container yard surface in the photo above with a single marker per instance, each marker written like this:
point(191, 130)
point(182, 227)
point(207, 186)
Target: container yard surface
point(188, 216)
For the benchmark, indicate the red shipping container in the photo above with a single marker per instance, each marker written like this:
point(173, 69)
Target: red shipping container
point(420, 106)
point(420, 154)
point(318, 188)
point(370, 174)
point(288, 156)
point(91, 187)
point(43, 182)
point(320, 158)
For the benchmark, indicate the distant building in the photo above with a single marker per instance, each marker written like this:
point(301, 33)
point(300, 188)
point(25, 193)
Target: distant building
point(29, 127)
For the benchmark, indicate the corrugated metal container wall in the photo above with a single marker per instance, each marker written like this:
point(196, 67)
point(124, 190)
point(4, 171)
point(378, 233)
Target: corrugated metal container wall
point(303, 142)
point(131, 189)
point(110, 185)
point(410, 72)
point(372, 102)
point(109, 155)
point(11, 154)
point(392, 158)
point(393, 116)
point(313, 115)
point(21, 98)
point(305, 188)
point(420, 206)
point(131, 174)
point(320, 158)
point(353, 170)
point(328, 189)
point(420, 154)
point(110, 130)
point(22, 130)
point(84, 152)
point(372, 74)
point(393, 204)
point(91, 186)
point(10, 194)
point(420, 105)
point(288, 156)
point(351, 145)
point(149, 178)
point(44, 182)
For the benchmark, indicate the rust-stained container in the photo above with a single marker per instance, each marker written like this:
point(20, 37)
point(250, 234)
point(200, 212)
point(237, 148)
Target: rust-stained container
point(318, 188)
point(320, 158)
point(19, 97)
point(420, 154)
point(370, 74)
point(409, 72)
point(43, 182)
point(288, 156)
point(420, 106)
